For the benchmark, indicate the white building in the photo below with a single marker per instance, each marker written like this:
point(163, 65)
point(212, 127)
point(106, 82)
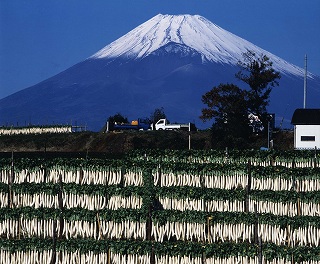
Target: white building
point(306, 128)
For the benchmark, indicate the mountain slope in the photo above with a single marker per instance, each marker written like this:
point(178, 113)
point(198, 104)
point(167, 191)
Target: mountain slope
point(168, 61)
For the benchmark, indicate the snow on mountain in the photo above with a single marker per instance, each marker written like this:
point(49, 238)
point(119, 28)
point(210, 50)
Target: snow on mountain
point(213, 42)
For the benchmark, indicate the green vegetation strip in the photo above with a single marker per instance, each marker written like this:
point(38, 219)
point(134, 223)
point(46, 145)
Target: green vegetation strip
point(208, 156)
point(239, 194)
point(286, 173)
point(190, 216)
point(73, 214)
point(208, 194)
point(192, 159)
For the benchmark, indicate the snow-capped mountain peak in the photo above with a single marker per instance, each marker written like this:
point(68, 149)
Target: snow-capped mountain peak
point(211, 41)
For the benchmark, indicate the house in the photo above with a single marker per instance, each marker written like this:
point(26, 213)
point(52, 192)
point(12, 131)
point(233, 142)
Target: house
point(306, 128)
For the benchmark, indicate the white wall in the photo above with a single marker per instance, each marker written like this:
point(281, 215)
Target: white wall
point(307, 130)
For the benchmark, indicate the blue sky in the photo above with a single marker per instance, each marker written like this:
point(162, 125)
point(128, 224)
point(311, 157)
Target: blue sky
point(39, 39)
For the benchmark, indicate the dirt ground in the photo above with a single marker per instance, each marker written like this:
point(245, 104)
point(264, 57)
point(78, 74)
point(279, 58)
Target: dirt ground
point(121, 142)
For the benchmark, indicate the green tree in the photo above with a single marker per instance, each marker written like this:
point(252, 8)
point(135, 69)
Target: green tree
point(157, 114)
point(118, 118)
point(258, 73)
point(227, 105)
point(230, 105)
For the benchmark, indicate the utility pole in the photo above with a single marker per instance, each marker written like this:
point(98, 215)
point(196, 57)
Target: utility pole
point(305, 82)
point(189, 136)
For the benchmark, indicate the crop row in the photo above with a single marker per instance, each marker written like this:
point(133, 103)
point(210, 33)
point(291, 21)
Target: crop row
point(177, 192)
point(289, 158)
point(97, 197)
point(172, 163)
point(110, 251)
point(64, 257)
point(265, 206)
point(211, 179)
point(95, 202)
point(211, 227)
point(104, 177)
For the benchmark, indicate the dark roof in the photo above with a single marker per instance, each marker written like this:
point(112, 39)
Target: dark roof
point(304, 116)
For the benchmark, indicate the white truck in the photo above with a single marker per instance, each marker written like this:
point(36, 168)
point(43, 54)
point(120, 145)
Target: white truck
point(163, 124)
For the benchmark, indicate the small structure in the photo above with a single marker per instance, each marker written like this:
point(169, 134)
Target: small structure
point(46, 129)
point(306, 128)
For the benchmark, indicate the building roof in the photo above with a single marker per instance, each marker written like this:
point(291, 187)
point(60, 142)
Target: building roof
point(304, 116)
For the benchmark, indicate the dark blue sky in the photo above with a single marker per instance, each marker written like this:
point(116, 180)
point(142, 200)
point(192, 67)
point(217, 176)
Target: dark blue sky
point(39, 39)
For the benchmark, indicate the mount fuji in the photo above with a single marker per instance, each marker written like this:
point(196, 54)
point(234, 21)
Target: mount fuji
point(169, 61)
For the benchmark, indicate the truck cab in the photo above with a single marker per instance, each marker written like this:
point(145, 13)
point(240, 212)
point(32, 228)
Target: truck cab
point(163, 124)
